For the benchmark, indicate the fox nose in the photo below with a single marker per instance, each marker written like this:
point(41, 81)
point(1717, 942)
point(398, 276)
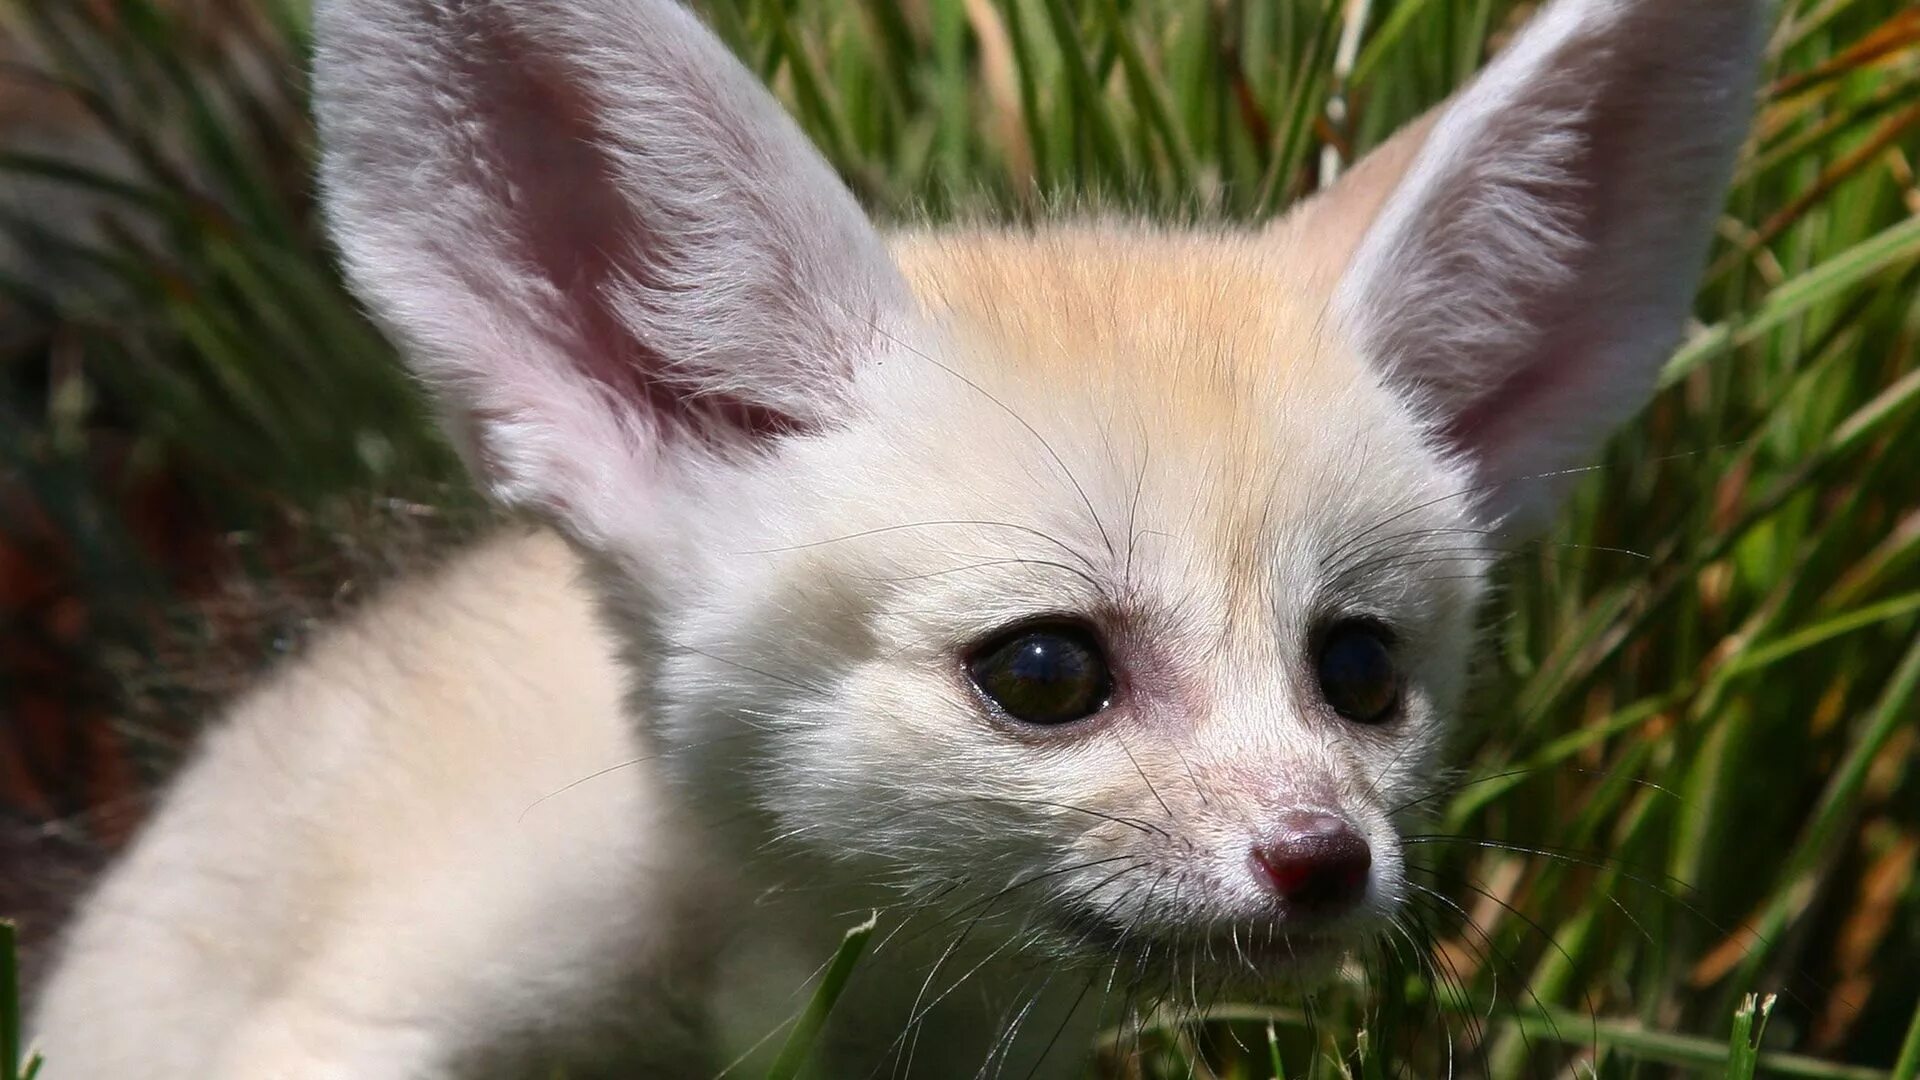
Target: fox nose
point(1317, 862)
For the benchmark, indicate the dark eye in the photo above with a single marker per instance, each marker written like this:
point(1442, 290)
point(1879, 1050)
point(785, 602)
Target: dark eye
point(1051, 674)
point(1357, 675)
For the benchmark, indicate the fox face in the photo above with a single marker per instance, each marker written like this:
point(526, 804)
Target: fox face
point(1115, 581)
point(1091, 602)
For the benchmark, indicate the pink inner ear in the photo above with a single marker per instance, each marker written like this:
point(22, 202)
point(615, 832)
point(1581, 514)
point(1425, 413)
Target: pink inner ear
point(1563, 384)
point(540, 158)
point(1511, 425)
point(1535, 268)
point(1542, 379)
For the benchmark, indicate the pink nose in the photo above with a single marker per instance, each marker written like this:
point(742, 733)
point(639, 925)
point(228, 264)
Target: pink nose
point(1316, 862)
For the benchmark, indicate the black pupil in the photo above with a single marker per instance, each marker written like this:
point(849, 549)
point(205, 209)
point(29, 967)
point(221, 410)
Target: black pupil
point(1357, 674)
point(1045, 676)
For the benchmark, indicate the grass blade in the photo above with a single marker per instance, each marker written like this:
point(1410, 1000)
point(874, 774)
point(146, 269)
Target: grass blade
point(806, 1030)
point(1749, 1028)
point(1849, 270)
point(1908, 1066)
point(16, 1062)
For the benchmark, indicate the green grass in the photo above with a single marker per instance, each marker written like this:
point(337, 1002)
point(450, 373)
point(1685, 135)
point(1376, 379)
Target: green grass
point(17, 1061)
point(803, 1036)
point(1692, 776)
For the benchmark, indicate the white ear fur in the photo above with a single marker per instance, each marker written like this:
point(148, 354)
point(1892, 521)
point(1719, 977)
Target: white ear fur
point(1534, 267)
point(598, 239)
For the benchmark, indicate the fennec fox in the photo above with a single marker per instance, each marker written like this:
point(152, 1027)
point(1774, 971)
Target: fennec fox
point(1090, 600)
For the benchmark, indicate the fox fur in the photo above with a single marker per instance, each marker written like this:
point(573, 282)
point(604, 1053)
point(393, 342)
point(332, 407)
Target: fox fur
point(606, 791)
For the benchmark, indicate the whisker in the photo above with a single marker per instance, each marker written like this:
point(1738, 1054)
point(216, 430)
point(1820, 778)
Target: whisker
point(1453, 983)
point(1091, 581)
point(1460, 530)
point(1143, 774)
point(1667, 886)
point(1133, 508)
point(1593, 1009)
point(1058, 462)
point(1461, 493)
point(629, 763)
point(1003, 1043)
point(786, 680)
point(940, 804)
point(1492, 956)
point(1507, 774)
point(1577, 858)
point(1039, 876)
point(953, 522)
point(1065, 1020)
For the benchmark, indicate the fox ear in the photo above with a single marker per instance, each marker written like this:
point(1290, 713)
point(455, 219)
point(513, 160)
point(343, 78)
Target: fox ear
point(1526, 256)
point(600, 242)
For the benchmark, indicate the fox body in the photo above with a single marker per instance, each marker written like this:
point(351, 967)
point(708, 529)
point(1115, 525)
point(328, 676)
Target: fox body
point(1091, 601)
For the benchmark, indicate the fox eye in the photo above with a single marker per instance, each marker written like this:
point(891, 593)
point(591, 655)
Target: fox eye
point(1357, 674)
point(1050, 674)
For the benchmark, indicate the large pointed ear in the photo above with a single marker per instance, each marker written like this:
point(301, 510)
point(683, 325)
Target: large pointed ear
point(599, 241)
point(1526, 255)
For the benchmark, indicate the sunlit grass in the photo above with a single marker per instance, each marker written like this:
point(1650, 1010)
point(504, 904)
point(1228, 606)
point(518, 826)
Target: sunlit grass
point(1691, 773)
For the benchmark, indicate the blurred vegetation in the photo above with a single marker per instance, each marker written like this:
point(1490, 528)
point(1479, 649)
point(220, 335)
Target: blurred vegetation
point(203, 447)
point(1693, 773)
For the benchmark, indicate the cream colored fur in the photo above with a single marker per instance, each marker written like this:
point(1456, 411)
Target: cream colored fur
point(309, 901)
point(618, 795)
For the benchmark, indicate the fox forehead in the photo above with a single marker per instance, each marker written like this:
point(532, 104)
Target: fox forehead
point(1205, 363)
point(1200, 325)
point(1200, 322)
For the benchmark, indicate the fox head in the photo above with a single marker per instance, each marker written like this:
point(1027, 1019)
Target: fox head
point(1119, 574)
